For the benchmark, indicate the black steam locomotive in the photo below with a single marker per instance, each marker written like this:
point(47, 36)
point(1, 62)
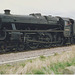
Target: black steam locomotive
point(19, 32)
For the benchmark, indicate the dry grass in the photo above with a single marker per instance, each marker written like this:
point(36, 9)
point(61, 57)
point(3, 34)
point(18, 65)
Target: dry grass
point(30, 65)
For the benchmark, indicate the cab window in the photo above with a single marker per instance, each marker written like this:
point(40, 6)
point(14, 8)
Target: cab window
point(67, 23)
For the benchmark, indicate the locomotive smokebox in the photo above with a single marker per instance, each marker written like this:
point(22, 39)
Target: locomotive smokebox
point(7, 12)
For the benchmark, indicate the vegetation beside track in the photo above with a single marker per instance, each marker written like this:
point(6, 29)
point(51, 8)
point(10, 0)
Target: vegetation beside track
point(42, 65)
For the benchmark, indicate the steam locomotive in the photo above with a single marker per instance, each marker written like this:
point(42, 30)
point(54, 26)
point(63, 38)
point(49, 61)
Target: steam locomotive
point(19, 32)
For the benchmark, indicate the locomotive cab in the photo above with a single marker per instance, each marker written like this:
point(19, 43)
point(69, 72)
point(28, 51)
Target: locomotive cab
point(68, 27)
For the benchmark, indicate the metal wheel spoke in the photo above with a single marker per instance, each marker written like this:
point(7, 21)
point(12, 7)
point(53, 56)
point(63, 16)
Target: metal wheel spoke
point(32, 44)
point(48, 39)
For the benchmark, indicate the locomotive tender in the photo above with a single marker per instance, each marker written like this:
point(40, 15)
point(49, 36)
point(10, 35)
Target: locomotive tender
point(18, 32)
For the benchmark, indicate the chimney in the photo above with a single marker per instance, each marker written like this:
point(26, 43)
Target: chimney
point(7, 12)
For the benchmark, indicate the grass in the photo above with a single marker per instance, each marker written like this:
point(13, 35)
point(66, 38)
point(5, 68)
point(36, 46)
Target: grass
point(57, 68)
point(42, 57)
point(42, 65)
point(38, 71)
point(2, 72)
point(22, 64)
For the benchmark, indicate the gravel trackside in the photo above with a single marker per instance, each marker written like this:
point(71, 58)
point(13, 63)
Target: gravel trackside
point(13, 57)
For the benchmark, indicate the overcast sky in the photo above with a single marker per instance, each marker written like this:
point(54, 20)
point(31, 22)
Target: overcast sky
point(45, 7)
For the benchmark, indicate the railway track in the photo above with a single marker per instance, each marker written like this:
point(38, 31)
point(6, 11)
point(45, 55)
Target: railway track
point(20, 56)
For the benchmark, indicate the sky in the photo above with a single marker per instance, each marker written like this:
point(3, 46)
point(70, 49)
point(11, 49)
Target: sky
point(63, 8)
